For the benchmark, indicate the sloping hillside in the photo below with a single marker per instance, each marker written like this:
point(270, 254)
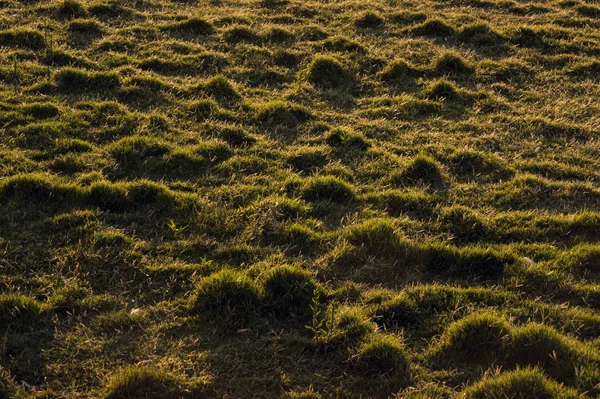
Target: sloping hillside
point(304, 199)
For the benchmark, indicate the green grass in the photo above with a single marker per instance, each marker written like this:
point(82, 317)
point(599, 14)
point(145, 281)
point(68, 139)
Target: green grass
point(524, 383)
point(285, 198)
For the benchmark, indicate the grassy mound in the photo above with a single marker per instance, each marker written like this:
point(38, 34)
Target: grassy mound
point(399, 72)
point(421, 170)
point(434, 28)
point(540, 345)
point(451, 63)
point(327, 188)
point(23, 38)
point(582, 260)
point(519, 384)
point(138, 382)
point(475, 164)
point(383, 357)
point(477, 339)
point(346, 139)
point(228, 296)
point(328, 73)
point(289, 291)
point(370, 20)
point(464, 224)
point(197, 26)
point(76, 81)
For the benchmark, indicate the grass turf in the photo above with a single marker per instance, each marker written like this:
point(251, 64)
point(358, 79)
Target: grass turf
point(283, 198)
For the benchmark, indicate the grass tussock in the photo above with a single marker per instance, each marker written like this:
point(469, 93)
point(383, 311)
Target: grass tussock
point(137, 382)
point(523, 383)
point(328, 73)
point(384, 357)
point(229, 296)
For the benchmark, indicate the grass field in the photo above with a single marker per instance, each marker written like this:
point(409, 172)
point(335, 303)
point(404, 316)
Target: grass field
point(301, 199)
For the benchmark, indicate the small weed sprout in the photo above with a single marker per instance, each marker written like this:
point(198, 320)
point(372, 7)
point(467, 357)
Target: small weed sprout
point(322, 324)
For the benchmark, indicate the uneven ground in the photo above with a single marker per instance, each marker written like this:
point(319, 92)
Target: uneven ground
point(299, 198)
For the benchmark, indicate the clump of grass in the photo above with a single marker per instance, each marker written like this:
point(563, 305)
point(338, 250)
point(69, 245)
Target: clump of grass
point(353, 328)
point(234, 135)
point(475, 164)
point(346, 139)
point(108, 196)
point(44, 110)
point(297, 237)
point(582, 260)
point(143, 382)
point(110, 10)
point(203, 109)
point(279, 35)
point(452, 63)
point(313, 33)
point(283, 114)
point(86, 27)
point(327, 188)
point(343, 44)
point(480, 34)
point(240, 34)
point(20, 313)
point(434, 28)
point(376, 236)
point(370, 20)
point(407, 17)
point(132, 151)
point(36, 188)
point(119, 197)
point(414, 202)
point(69, 164)
point(220, 88)
point(308, 159)
point(464, 224)
point(196, 26)
point(40, 135)
point(289, 291)
point(421, 170)
point(443, 90)
point(399, 72)
point(77, 81)
point(23, 38)
point(384, 357)
point(285, 58)
point(410, 107)
point(540, 345)
point(146, 192)
point(477, 339)
point(328, 73)
point(71, 9)
point(519, 384)
point(227, 296)
point(399, 312)
point(530, 191)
